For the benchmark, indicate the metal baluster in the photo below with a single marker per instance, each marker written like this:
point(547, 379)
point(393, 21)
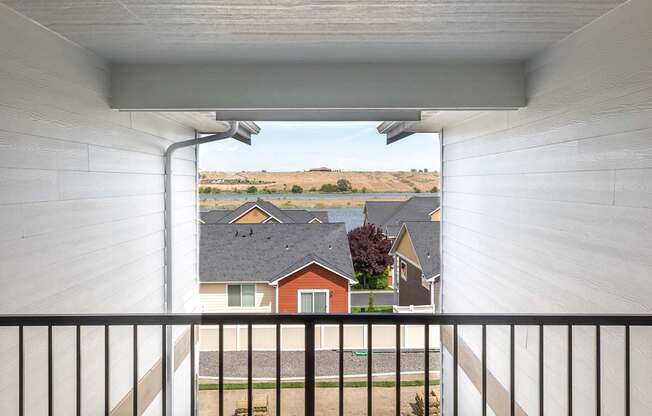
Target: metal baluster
point(250, 393)
point(163, 368)
point(278, 369)
point(193, 388)
point(426, 382)
point(627, 373)
point(21, 372)
point(541, 369)
point(570, 370)
point(484, 370)
point(107, 405)
point(369, 369)
point(310, 369)
point(598, 387)
point(341, 357)
point(455, 370)
point(512, 387)
point(78, 369)
point(398, 370)
point(50, 404)
point(135, 373)
point(220, 371)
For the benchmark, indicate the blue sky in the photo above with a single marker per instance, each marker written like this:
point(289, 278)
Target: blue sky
point(297, 146)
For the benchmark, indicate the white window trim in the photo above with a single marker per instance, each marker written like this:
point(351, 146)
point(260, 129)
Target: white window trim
point(240, 286)
point(328, 300)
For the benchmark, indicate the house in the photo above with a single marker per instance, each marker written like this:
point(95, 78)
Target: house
point(297, 267)
point(417, 265)
point(261, 211)
point(390, 215)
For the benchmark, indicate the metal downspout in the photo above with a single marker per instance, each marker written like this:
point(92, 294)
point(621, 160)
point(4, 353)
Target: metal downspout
point(167, 287)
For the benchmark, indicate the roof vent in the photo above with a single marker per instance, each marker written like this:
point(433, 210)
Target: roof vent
point(236, 233)
point(251, 232)
point(330, 246)
point(287, 247)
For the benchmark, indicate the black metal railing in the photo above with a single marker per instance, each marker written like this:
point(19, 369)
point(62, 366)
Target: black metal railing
point(309, 321)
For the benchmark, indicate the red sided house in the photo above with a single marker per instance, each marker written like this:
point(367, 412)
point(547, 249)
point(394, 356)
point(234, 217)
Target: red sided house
point(271, 267)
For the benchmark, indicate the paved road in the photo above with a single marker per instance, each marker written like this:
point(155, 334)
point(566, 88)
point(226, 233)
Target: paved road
point(326, 363)
point(380, 298)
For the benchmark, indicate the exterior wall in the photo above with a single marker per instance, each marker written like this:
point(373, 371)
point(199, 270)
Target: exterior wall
point(406, 249)
point(436, 216)
point(549, 209)
point(314, 277)
point(255, 216)
point(214, 299)
point(81, 216)
point(410, 290)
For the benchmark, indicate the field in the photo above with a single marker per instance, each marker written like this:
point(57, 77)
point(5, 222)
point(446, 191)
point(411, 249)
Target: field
point(283, 181)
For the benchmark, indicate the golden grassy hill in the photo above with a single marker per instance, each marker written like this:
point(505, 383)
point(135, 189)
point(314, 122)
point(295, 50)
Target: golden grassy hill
point(283, 181)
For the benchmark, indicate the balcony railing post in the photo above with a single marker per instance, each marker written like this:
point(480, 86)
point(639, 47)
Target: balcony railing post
point(309, 385)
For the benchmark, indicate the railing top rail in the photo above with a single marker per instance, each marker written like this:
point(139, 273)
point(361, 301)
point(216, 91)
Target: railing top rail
point(301, 319)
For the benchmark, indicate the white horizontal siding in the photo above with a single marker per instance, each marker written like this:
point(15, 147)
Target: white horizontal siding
point(547, 209)
point(81, 215)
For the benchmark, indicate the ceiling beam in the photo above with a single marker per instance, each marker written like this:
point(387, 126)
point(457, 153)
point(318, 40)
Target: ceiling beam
point(374, 87)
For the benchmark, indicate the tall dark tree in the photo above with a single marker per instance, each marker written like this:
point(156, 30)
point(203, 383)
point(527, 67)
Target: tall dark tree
point(369, 251)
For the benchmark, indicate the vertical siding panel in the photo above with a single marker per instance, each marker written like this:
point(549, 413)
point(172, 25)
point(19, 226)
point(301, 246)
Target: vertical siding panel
point(548, 209)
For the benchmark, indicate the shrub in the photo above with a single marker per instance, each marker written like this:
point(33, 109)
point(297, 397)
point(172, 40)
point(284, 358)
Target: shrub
point(434, 189)
point(296, 189)
point(328, 187)
point(417, 190)
point(252, 190)
point(343, 185)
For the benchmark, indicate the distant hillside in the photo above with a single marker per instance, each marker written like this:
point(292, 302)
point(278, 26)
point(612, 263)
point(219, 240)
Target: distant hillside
point(283, 181)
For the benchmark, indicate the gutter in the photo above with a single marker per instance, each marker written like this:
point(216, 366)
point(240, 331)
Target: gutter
point(167, 287)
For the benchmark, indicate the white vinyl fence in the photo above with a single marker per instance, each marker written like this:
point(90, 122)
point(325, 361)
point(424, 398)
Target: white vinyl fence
point(326, 337)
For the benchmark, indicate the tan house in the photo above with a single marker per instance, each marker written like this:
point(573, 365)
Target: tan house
point(390, 215)
point(417, 265)
point(261, 211)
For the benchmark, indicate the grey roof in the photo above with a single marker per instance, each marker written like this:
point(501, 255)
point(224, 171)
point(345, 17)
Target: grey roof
point(320, 215)
point(268, 207)
point(389, 215)
point(282, 215)
point(425, 239)
point(213, 216)
point(265, 252)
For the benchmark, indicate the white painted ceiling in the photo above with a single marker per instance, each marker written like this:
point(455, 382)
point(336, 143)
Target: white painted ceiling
point(243, 31)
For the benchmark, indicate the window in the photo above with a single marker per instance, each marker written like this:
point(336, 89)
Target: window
point(313, 301)
point(403, 270)
point(241, 295)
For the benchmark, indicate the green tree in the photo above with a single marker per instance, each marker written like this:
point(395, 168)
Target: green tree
point(417, 190)
point(434, 189)
point(343, 185)
point(252, 190)
point(296, 189)
point(328, 187)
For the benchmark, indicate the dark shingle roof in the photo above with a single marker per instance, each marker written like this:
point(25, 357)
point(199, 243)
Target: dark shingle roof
point(389, 216)
point(282, 215)
point(213, 216)
point(320, 215)
point(264, 252)
point(425, 239)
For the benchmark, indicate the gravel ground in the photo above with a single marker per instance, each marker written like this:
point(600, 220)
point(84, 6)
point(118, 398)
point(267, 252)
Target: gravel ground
point(326, 363)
